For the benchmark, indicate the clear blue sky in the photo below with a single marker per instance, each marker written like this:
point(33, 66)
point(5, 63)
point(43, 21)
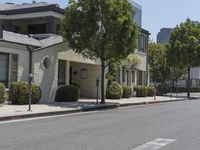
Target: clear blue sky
point(167, 13)
point(156, 13)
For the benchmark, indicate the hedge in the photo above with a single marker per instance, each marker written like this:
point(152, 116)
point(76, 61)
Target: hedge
point(184, 90)
point(19, 93)
point(114, 91)
point(2, 93)
point(67, 93)
point(127, 91)
point(151, 91)
point(141, 91)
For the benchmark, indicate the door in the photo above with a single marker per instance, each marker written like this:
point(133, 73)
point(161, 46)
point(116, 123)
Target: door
point(61, 72)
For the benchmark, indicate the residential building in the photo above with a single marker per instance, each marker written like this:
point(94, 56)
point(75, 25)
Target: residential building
point(131, 75)
point(164, 35)
point(31, 42)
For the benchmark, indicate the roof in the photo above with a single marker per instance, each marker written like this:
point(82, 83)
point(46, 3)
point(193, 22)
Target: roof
point(37, 40)
point(145, 31)
point(11, 8)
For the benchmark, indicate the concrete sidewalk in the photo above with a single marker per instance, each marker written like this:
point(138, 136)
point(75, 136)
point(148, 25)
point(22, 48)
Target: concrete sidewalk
point(138, 100)
point(8, 112)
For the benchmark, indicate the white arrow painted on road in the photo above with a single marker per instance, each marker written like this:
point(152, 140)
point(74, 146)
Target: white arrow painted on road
point(155, 144)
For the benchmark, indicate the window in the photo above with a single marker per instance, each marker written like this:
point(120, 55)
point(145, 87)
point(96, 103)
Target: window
point(142, 43)
point(127, 77)
point(133, 76)
point(11, 28)
point(15, 29)
point(46, 62)
point(61, 72)
point(140, 77)
point(14, 68)
point(37, 29)
point(4, 68)
point(123, 74)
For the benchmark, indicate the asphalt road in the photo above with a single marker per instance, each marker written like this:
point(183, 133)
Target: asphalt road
point(118, 129)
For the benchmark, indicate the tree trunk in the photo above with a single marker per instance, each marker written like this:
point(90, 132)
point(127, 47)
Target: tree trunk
point(189, 83)
point(102, 82)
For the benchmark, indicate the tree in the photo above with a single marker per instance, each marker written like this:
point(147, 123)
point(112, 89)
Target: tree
point(184, 47)
point(158, 66)
point(101, 30)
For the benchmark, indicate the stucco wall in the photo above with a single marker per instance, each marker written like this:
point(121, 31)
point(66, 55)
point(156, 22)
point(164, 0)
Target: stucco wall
point(88, 84)
point(48, 78)
point(23, 54)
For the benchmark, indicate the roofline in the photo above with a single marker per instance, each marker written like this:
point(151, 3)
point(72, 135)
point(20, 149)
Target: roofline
point(41, 48)
point(3, 40)
point(145, 31)
point(33, 10)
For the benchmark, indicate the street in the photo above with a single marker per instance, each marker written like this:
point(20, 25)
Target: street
point(176, 124)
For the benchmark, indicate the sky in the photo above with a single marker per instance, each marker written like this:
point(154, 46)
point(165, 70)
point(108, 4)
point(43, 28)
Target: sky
point(156, 13)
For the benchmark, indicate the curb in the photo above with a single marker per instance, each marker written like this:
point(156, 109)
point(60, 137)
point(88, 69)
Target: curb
point(16, 117)
point(151, 102)
point(96, 108)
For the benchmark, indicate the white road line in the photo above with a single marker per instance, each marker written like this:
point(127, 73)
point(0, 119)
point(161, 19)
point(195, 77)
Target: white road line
point(155, 144)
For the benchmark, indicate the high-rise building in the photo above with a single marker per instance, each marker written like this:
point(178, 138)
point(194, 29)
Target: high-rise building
point(138, 13)
point(164, 35)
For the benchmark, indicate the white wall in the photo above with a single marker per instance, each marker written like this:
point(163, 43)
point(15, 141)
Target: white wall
point(48, 78)
point(23, 54)
point(143, 61)
point(87, 85)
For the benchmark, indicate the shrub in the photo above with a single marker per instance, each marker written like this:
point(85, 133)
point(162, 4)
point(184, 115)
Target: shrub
point(141, 91)
point(67, 93)
point(162, 89)
point(114, 91)
point(127, 91)
point(19, 93)
point(151, 91)
point(2, 93)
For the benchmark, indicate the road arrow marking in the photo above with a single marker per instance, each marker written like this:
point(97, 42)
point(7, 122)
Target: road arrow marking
point(155, 144)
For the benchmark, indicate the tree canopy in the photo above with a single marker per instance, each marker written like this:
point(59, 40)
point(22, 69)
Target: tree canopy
point(184, 47)
point(158, 66)
point(101, 29)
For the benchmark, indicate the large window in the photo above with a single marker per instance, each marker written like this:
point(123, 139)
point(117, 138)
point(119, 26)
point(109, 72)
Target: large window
point(61, 72)
point(142, 43)
point(133, 76)
point(37, 29)
point(140, 77)
point(123, 75)
point(4, 68)
point(14, 68)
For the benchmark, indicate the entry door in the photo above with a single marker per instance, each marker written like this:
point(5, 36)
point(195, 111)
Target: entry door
point(61, 72)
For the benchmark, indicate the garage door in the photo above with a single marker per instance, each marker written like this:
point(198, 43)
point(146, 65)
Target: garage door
point(4, 67)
